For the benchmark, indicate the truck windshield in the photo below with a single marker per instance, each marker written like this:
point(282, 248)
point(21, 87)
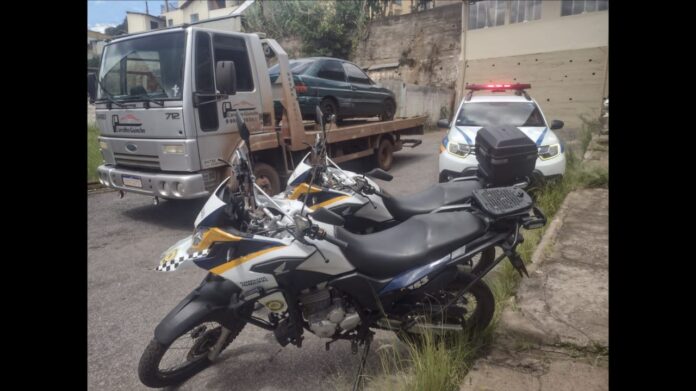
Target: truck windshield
point(144, 68)
point(500, 113)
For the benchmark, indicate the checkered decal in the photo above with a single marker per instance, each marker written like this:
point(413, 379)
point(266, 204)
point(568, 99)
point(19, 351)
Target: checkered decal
point(172, 264)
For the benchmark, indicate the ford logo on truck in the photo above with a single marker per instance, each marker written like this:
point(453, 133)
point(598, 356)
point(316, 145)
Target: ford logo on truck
point(131, 147)
point(126, 124)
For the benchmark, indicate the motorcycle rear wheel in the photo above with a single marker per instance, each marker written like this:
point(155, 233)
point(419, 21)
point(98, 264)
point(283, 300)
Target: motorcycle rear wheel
point(473, 323)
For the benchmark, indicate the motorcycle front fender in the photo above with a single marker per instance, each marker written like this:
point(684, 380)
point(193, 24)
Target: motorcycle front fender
point(208, 302)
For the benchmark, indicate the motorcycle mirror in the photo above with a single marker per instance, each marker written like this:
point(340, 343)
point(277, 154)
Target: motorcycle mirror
point(379, 174)
point(243, 130)
point(324, 215)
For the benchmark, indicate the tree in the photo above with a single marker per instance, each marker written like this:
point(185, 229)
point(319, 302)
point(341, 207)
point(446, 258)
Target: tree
point(326, 28)
point(119, 29)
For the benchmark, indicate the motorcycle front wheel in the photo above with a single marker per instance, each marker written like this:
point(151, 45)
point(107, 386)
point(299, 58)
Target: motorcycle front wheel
point(166, 365)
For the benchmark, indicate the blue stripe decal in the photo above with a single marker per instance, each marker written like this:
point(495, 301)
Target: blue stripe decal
point(300, 178)
point(468, 140)
point(444, 141)
point(412, 276)
point(541, 137)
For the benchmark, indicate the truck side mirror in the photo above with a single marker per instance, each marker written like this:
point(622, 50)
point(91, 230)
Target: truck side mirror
point(92, 87)
point(556, 124)
point(226, 77)
point(443, 123)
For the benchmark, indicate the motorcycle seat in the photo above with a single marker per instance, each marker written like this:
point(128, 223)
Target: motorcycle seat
point(418, 241)
point(430, 199)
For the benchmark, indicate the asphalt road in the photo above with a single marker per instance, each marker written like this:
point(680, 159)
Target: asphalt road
point(127, 298)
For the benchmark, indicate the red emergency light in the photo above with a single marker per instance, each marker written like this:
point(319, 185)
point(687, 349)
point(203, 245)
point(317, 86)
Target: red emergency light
point(498, 87)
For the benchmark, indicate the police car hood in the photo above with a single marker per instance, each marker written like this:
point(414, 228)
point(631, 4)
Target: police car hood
point(541, 135)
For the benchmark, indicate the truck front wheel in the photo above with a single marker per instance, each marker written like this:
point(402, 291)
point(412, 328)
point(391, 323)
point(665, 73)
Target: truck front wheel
point(267, 178)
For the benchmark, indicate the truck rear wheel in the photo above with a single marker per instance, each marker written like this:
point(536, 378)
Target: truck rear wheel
point(384, 154)
point(267, 178)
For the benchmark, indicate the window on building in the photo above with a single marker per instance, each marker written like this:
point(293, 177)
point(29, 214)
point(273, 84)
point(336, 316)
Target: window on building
point(574, 7)
point(397, 2)
point(154, 25)
point(194, 18)
point(524, 10)
point(216, 4)
point(170, 22)
point(487, 13)
point(355, 75)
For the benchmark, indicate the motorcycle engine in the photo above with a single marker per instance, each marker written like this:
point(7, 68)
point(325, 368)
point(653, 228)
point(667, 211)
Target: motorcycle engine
point(328, 314)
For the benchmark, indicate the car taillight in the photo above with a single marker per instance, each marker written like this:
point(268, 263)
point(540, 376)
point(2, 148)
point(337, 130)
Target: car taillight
point(301, 88)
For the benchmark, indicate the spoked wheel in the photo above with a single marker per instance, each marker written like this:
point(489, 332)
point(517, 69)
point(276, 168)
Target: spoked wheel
point(471, 314)
point(165, 365)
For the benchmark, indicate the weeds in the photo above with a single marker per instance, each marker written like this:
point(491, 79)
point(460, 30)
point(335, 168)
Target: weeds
point(94, 157)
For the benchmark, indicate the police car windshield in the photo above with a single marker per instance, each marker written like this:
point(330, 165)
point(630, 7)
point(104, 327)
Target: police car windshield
point(500, 113)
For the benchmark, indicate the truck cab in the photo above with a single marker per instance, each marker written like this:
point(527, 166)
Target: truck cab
point(165, 106)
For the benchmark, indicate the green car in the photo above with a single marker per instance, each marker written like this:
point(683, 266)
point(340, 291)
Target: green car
point(337, 87)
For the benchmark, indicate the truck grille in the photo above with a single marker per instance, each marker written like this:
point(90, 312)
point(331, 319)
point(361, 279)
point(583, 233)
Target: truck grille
point(142, 161)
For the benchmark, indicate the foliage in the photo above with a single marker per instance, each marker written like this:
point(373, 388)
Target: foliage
point(326, 28)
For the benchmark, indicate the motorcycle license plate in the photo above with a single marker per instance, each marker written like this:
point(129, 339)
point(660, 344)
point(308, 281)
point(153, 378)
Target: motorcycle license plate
point(132, 181)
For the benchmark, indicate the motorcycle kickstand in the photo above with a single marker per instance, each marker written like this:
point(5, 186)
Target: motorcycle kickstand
point(363, 359)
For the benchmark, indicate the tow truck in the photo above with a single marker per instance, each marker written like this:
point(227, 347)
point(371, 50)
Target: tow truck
point(166, 102)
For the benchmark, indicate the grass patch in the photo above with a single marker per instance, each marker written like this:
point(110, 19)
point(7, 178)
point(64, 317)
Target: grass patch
point(94, 157)
point(435, 366)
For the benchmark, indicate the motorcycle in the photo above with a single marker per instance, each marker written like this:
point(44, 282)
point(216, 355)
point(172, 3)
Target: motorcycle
point(304, 272)
point(366, 207)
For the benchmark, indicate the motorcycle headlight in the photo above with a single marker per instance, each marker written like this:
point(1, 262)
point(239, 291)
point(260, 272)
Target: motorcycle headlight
point(461, 150)
point(547, 152)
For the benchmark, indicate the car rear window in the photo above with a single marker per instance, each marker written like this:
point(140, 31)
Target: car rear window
point(297, 67)
point(500, 113)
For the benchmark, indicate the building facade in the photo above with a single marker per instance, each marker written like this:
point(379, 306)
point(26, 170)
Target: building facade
point(139, 22)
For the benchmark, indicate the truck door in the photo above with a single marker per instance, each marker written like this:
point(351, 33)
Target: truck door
point(215, 114)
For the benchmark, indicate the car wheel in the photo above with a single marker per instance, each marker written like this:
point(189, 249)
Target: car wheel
point(328, 106)
point(388, 111)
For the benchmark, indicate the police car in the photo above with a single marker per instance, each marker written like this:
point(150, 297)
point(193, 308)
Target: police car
point(457, 152)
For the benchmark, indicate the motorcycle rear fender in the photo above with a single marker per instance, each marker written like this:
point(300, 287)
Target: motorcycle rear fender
point(208, 302)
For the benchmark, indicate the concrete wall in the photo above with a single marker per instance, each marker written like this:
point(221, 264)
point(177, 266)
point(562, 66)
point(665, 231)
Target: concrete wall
point(412, 100)
point(552, 32)
point(426, 44)
point(565, 83)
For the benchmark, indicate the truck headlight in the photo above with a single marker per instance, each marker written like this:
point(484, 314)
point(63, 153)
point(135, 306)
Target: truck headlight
point(103, 145)
point(461, 150)
point(177, 149)
point(547, 152)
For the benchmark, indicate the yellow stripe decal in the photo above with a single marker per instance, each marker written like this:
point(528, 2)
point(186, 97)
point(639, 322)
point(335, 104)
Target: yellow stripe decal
point(328, 202)
point(214, 235)
point(238, 261)
point(302, 189)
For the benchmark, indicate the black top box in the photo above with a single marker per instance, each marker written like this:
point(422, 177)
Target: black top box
point(505, 155)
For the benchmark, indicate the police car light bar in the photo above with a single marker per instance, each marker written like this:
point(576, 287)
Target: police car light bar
point(498, 87)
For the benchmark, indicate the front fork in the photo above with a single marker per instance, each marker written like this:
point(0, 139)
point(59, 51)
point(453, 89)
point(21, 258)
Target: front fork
point(215, 351)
